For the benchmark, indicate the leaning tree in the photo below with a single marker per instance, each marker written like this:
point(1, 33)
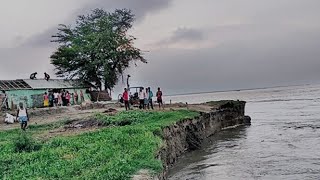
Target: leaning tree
point(97, 49)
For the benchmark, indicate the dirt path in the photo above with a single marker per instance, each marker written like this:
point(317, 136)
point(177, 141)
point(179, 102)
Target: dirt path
point(47, 119)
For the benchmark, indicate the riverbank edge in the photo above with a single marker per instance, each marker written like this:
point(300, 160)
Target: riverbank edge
point(188, 134)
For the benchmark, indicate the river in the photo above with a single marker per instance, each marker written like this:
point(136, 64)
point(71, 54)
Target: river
point(283, 141)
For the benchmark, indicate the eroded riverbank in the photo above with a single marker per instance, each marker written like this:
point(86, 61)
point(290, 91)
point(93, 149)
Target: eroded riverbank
point(113, 145)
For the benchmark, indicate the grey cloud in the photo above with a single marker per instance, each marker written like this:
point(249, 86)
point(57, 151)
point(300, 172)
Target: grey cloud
point(41, 40)
point(139, 7)
point(182, 34)
point(287, 60)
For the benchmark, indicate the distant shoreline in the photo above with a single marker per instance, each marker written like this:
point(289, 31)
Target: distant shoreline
point(235, 90)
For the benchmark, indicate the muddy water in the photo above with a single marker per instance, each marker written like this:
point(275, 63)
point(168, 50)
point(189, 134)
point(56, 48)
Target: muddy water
point(283, 141)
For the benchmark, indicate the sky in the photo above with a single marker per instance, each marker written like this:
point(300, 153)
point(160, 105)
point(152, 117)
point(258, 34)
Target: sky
point(191, 46)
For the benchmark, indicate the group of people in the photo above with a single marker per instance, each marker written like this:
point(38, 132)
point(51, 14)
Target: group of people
point(62, 98)
point(145, 98)
point(34, 76)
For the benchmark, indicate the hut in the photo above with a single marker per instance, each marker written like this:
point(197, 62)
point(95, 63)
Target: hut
point(31, 92)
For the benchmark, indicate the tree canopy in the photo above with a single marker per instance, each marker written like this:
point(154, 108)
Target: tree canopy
point(97, 48)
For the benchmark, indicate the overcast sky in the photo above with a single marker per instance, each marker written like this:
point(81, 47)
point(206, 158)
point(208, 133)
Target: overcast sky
point(192, 45)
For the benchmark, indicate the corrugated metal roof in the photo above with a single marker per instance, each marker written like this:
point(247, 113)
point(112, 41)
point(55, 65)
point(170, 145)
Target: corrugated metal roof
point(14, 84)
point(40, 84)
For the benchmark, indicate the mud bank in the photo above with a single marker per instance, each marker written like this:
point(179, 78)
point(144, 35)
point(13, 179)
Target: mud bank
point(188, 134)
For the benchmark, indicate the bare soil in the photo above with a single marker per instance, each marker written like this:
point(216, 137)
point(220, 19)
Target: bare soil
point(72, 114)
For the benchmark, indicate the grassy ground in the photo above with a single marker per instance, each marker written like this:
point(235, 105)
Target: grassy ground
point(128, 143)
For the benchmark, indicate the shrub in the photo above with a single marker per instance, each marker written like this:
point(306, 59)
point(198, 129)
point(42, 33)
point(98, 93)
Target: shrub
point(25, 143)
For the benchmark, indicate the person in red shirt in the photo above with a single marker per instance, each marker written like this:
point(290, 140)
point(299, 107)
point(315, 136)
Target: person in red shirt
point(68, 98)
point(159, 98)
point(125, 97)
point(76, 98)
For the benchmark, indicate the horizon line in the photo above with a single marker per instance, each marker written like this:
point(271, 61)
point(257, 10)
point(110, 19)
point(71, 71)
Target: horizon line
point(230, 90)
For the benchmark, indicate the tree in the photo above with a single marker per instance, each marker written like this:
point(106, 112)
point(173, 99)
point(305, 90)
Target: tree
point(97, 49)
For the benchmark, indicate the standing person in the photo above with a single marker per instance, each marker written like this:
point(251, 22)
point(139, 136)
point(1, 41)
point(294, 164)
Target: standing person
point(142, 95)
point(81, 96)
point(159, 98)
point(125, 97)
point(150, 103)
point(51, 99)
point(45, 100)
point(5, 100)
point(22, 115)
point(72, 99)
point(63, 95)
point(56, 98)
point(68, 97)
point(60, 102)
point(76, 98)
point(146, 99)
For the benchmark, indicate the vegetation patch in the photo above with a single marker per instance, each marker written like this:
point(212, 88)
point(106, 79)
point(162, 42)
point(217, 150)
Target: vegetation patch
point(115, 152)
point(25, 143)
point(224, 104)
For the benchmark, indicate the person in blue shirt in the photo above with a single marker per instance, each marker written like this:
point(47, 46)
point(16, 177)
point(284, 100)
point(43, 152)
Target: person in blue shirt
point(150, 98)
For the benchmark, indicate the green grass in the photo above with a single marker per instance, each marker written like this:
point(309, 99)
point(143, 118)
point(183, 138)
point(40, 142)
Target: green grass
point(115, 152)
point(9, 135)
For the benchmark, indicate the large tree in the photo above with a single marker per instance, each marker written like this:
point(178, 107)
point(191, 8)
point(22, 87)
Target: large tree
point(97, 48)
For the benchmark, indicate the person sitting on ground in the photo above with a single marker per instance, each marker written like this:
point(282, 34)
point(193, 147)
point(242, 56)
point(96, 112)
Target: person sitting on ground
point(46, 76)
point(22, 116)
point(150, 103)
point(125, 97)
point(142, 95)
point(159, 98)
point(33, 75)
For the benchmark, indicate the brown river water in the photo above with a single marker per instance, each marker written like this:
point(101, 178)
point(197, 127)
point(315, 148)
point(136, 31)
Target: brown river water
point(283, 141)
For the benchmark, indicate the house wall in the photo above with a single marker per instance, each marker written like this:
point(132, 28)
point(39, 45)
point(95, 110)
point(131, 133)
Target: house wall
point(24, 96)
point(34, 98)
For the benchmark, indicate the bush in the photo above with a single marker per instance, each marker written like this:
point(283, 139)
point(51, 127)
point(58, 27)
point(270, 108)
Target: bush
point(25, 143)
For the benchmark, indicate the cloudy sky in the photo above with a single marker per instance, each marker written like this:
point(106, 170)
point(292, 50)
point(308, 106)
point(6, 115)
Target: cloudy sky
point(191, 46)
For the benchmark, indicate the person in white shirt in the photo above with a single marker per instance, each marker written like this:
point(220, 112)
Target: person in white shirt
point(22, 115)
point(56, 97)
point(142, 96)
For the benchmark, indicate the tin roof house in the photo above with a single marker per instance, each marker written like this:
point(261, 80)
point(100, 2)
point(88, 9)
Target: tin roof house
point(30, 92)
